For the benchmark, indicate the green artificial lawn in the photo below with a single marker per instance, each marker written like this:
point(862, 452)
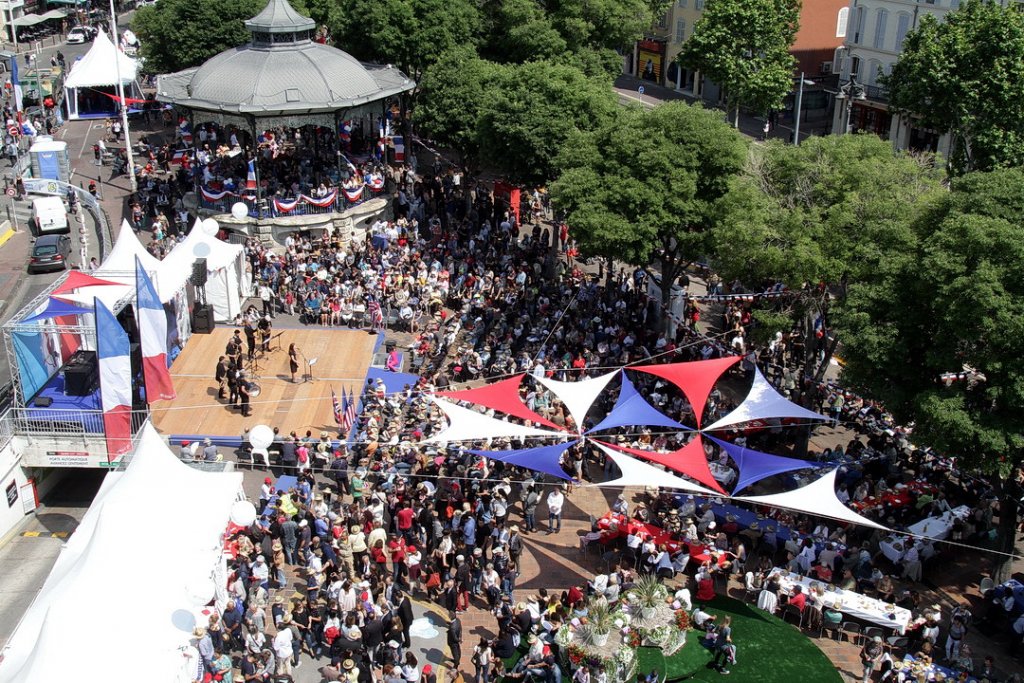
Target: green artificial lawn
point(768, 650)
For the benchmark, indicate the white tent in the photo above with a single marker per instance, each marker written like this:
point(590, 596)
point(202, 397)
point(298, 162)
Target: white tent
point(98, 70)
point(91, 591)
point(227, 284)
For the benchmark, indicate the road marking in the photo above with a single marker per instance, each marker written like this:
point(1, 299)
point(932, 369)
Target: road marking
point(85, 141)
point(63, 133)
point(45, 534)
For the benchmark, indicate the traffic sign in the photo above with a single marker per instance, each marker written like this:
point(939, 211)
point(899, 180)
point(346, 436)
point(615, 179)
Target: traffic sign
point(640, 90)
point(11, 192)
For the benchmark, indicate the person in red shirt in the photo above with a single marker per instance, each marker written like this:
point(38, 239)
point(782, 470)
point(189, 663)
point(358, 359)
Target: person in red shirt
point(822, 572)
point(798, 598)
point(405, 518)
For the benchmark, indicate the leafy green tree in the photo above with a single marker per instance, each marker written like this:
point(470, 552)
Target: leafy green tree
point(412, 34)
point(965, 76)
point(519, 31)
point(178, 34)
point(832, 209)
point(643, 185)
point(453, 92)
point(743, 46)
point(534, 108)
point(955, 300)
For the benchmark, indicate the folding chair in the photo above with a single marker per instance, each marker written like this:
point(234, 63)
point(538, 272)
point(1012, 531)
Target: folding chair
point(852, 628)
point(794, 612)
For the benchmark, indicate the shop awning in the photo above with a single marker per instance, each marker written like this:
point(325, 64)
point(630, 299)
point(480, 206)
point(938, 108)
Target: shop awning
point(33, 19)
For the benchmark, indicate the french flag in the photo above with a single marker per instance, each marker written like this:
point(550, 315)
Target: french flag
point(114, 353)
point(345, 132)
point(250, 179)
point(153, 337)
point(399, 143)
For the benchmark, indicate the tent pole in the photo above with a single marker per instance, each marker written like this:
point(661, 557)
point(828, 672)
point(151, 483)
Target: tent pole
point(124, 104)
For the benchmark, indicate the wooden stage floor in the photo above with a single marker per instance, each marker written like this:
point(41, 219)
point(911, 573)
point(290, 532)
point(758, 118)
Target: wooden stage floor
point(343, 357)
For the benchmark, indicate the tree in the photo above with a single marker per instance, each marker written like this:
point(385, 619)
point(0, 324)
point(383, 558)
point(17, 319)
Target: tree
point(965, 77)
point(643, 185)
point(452, 95)
point(534, 108)
point(743, 46)
point(955, 299)
point(412, 34)
point(829, 210)
point(178, 34)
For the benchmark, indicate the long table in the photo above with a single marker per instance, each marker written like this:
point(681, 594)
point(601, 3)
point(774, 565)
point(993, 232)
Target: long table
point(938, 528)
point(850, 603)
point(617, 526)
point(898, 497)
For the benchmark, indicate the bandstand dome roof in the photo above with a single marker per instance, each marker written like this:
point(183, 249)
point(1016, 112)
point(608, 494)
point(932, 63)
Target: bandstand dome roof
point(281, 71)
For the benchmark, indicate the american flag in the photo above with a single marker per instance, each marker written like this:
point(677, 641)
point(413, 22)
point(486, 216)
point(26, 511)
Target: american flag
point(376, 315)
point(349, 418)
point(338, 410)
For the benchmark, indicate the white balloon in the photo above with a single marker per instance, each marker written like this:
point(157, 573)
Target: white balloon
point(239, 210)
point(201, 250)
point(261, 436)
point(211, 227)
point(243, 513)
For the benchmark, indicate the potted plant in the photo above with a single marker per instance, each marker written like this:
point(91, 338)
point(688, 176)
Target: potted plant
point(648, 594)
point(599, 618)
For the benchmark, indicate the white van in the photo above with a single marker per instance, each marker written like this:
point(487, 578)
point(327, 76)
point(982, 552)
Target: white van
point(50, 215)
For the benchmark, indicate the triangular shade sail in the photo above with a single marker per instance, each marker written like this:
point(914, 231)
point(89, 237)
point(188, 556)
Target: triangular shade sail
point(638, 473)
point(542, 459)
point(578, 396)
point(761, 403)
point(817, 498)
point(469, 425)
point(77, 279)
point(755, 465)
point(56, 308)
point(502, 396)
point(632, 409)
point(688, 460)
point(694, 379)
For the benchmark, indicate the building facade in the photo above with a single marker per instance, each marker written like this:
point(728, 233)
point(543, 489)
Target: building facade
point(822, 30)
point(874, 41)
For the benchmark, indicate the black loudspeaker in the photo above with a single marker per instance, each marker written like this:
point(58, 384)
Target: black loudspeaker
point(81, 374)
point(44, 401)
point(202, 319)
point(199, 273)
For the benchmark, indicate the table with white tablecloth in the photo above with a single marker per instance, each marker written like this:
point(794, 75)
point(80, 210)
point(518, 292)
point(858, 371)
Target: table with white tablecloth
point(938, 528)
point(850, 603)
point(723, 474)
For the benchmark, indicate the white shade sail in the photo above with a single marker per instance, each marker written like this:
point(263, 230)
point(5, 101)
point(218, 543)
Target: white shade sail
point(817, 498)
point(579, 396)
point(763, 402)
point(469, 425)
point(636, 472)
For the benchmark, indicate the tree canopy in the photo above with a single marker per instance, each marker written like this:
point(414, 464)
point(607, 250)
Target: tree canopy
point(831, 209)
point(955, 299)
point(532, 110)
point(643, 185)
point(743, 46)
point(178, 34)
point(965, 76)
point(412, 34)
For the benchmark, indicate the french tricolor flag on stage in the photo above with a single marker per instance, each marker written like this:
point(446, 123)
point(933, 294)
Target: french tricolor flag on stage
point(250, 178)
point(153, 338)
point(114, 353)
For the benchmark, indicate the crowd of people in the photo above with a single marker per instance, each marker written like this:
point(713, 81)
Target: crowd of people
point(385, 517)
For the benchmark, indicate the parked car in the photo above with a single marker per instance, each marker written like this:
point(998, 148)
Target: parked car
point(81, 34)
point(50, 252)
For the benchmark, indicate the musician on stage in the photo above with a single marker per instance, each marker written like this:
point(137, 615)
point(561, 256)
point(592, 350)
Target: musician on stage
point(234, 350)
point(293, 360)
point(265, 328)
point(244, 389)
point(221, 376)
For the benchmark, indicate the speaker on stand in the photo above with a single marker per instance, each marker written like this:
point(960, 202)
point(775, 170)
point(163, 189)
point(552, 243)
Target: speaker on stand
point(202, 313)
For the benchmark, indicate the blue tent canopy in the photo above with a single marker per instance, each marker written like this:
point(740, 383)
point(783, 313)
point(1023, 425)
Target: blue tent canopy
point(755, 465)
point(543, 458)
point(56, 308)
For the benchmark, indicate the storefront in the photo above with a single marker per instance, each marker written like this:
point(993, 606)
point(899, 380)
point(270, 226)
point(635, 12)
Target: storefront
point(651, 60)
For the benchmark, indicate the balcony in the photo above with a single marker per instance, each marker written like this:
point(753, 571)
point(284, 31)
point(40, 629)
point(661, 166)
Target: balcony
point(876, 93)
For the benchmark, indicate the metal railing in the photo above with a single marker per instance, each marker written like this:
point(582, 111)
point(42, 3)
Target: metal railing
point(877, 93)
point(37, 421)
point(269, 210)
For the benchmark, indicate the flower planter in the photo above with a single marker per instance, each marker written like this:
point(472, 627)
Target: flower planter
point(600, 639)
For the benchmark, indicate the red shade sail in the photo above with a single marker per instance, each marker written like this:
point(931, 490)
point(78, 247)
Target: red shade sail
point(688, 460)
point(77, 279)
point(503, 396)
point(695, 378)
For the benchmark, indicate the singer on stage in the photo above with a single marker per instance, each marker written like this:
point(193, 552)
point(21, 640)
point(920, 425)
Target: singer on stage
point(293, 360)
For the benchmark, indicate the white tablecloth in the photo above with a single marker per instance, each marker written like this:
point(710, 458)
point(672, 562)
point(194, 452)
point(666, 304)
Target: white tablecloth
point(939, 527)
point(852, 604)
point(723, 474)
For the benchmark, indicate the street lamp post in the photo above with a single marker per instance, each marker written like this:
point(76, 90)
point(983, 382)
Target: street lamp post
point(124, 103)
point(799, 105)
point(849, 91)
